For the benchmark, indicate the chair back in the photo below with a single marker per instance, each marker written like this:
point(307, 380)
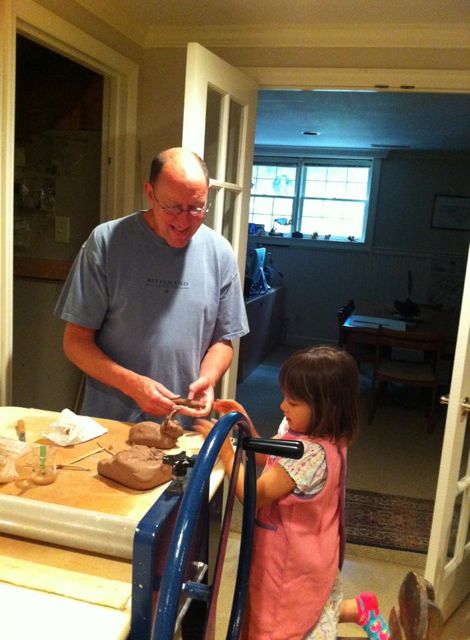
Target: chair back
point(427, 342)
point(342, 314)
point(421, 371)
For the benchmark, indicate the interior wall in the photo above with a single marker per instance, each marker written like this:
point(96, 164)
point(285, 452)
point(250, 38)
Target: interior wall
point(408, 184)
point(161, 103)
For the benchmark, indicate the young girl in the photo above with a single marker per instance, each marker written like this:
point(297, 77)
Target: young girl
point(294, 590)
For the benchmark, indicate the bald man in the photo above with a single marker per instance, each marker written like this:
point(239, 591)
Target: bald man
point(153, 301)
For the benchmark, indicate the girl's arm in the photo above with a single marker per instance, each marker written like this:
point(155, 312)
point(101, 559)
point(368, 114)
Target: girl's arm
point(270, 486)
point(226, 406)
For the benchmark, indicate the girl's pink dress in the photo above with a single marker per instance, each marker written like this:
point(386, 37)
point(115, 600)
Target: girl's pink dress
point(297, 553)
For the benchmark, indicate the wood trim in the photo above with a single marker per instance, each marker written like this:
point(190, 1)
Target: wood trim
point(42, 268)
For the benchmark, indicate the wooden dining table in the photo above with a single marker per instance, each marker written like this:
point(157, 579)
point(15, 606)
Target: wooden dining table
point(368, 317)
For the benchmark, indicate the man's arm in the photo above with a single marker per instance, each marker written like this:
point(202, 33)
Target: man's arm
point(80, 347)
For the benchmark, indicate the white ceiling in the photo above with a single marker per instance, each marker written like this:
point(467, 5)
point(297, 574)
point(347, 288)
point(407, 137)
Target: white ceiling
point(343, 119)
point(364, 120)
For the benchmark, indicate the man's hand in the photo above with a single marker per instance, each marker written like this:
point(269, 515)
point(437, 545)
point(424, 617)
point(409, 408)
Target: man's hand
point(152, 396)
point(202, 391)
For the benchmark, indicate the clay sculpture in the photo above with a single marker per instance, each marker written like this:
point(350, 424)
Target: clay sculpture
point(153, 434)
point(139, 467)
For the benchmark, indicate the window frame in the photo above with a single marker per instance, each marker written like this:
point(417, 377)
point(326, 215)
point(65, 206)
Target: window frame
point(301, 162)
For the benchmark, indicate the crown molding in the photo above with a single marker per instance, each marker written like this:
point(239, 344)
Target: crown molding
point(359, 35)
point(416, 36)
point(365, 79)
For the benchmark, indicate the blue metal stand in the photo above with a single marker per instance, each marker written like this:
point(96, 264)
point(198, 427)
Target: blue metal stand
point(153, 531)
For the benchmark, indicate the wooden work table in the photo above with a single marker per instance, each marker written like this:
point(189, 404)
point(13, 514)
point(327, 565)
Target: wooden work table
point(48, 591)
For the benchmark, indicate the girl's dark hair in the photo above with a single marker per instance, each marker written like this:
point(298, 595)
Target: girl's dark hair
point(325, 378)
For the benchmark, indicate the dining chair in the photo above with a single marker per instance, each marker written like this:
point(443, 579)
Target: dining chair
point(413, 360)
point(360, 343)
point(342, 314)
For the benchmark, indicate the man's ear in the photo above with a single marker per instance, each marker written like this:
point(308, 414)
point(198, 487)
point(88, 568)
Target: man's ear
point(148, 189)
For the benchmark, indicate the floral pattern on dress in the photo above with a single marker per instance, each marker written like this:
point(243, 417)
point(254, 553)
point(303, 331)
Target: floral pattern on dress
point(310, 472)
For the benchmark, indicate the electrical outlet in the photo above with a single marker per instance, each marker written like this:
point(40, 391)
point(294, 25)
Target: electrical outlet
point(62, 229)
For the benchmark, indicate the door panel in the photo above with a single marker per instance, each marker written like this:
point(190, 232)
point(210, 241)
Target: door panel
point(219, 125)
point(448, 561)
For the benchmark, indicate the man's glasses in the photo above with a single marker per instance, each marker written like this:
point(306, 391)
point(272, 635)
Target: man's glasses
point(197, 212)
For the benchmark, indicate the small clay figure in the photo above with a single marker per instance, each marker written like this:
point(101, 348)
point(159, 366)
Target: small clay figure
point(153, 434)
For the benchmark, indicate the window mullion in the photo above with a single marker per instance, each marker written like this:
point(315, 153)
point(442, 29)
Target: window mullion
point(299, 197)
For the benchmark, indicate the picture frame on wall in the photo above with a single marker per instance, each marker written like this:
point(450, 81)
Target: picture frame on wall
point(451, 212)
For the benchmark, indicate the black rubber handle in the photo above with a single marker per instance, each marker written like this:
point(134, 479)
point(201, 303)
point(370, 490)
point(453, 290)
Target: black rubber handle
point(283, 448)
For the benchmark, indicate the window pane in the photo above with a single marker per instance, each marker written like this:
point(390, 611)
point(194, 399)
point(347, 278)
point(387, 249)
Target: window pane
point(356, 190)
point(233, 142)
point(229, 214)
point(262, 205)
point(282, 207)
point(358, 174)
point(315, 188)
point(211, 137)
point(337, 174)
point(335, 189)
point(274, 180)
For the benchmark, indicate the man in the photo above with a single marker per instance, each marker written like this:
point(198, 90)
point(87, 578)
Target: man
point(153, 301)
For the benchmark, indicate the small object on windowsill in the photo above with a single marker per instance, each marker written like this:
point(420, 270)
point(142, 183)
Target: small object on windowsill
point(328, 236)
point(276, 233)
point(297, 234)
point(351, 239)
point(314, 235)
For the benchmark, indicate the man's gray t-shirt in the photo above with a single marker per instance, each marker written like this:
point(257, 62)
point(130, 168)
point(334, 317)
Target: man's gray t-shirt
point(156, 309)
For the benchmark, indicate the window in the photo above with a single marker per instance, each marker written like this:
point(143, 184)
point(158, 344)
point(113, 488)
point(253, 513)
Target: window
point(326, 199)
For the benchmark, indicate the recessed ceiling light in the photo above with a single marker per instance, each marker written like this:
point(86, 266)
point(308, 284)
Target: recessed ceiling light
point(310, 133)
point(391, 146)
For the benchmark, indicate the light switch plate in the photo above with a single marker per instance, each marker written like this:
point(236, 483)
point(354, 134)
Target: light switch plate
point(62, 229)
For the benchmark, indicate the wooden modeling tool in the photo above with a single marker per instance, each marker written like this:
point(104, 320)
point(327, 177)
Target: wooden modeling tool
point(20, 430)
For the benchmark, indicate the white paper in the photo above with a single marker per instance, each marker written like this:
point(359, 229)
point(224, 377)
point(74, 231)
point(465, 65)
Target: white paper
point(72, 429)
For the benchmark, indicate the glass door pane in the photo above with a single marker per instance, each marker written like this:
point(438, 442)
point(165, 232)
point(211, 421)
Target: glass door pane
point(212, 131)
point(233, 141)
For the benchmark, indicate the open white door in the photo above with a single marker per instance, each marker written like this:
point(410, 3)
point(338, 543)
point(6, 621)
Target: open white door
point(448, 560)
point(219, 125)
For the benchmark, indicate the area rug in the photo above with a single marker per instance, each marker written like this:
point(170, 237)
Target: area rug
point(392, 522)
point(381, 520)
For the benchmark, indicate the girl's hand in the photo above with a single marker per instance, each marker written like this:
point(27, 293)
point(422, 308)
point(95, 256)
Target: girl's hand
point(204, 427)
point(226, 406)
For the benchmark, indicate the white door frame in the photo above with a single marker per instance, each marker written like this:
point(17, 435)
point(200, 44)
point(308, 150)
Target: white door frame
point(119, 135)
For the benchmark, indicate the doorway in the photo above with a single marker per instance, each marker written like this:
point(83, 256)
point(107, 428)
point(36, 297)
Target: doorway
point(58, 141)
point(403, 239)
